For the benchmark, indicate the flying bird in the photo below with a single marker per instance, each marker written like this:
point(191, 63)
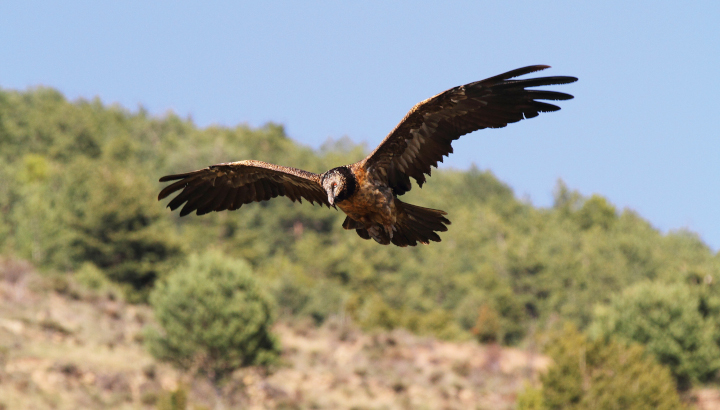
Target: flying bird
point(368, 191)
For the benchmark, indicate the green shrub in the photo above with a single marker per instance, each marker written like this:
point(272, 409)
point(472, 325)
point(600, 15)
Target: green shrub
point(116, 226)
point(668, 321)
point(602, 374)
point(487, 326)
point(214, 318)
point(91, 277)
point(530, 399)
point(172, 400)
point(596, 211)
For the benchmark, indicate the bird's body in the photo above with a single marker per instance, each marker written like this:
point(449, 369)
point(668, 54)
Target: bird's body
point(367, 191)
point(371, 203)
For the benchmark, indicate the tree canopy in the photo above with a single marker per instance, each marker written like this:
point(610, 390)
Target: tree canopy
point(601, 374)
point(214, 317)
point(81, 187)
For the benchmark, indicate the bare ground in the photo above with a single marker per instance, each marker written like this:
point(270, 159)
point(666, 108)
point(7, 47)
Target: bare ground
point(64, 347)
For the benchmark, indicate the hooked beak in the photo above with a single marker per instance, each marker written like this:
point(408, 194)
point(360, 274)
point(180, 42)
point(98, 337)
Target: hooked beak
point(331, 199)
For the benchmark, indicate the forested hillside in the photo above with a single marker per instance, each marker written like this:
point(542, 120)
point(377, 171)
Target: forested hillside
point(79, 186)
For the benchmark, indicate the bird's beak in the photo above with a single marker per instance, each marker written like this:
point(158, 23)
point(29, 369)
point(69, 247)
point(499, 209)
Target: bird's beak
point(331, 199)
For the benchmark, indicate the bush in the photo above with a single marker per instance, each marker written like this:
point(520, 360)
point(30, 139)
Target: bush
point(596, 211)
point(214, 317)
point(668, 321)
point(487, 326)
point(318, 300)
point(530, 399)
point(601, 374)
point(494, 316)
point(91, 277)
point(116, 226)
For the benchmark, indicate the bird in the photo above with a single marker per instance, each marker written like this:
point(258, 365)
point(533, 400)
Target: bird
point(368, 191)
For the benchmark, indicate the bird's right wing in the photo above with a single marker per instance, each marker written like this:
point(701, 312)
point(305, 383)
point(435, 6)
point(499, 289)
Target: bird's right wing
point(425, 135)
point(230, 185)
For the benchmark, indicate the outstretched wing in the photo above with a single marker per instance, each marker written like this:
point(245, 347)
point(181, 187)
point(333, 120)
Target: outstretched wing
point(230, 185)
point(424, 136)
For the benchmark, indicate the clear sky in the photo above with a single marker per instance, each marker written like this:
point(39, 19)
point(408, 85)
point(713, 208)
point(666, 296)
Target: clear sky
point(642, 129)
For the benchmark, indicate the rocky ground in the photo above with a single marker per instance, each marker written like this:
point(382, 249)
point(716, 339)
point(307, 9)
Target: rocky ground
point(66, 347)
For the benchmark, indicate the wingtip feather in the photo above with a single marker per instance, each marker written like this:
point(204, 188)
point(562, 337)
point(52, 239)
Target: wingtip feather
point(519, 71)
point(174, 177)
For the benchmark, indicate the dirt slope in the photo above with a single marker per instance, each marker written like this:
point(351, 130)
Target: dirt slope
point(65, 347)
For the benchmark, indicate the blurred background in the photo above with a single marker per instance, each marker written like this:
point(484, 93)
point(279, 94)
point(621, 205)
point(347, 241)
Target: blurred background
point(592, 231)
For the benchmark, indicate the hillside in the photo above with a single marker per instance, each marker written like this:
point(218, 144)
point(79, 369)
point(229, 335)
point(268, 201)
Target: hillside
point(78, 202)
point(67, 347)
point(81, 183)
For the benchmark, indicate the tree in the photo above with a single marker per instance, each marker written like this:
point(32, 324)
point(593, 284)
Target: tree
point(214, 318)
point(667, 319)
point(487, 326)
point(601, 374)
point(116, 224)
point(596, 211)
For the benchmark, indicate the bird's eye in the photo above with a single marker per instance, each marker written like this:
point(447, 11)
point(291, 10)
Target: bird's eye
point(334, 185)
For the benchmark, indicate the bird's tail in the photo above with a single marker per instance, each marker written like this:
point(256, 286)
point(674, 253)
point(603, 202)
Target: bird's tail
point(413, 224)
point(417, 224)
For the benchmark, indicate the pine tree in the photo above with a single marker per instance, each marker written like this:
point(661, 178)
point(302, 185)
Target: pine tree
point(214, 318)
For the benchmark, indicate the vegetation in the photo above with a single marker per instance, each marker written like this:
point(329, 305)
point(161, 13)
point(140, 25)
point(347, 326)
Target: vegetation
point(668, 320)
point(78, 194)
point(84, 349)
point(601, 374)
point(214, 318)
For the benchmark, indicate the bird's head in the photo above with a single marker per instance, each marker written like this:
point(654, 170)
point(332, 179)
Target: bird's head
point(339, 183)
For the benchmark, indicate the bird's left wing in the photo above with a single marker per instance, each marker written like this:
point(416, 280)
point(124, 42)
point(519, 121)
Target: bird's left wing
point(230, 185)
point(425, 135)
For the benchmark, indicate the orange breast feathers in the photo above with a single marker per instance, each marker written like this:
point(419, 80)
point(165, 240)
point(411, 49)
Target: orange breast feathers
point(371, 202)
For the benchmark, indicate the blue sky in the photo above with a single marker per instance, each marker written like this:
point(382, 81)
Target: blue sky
point(641, 131)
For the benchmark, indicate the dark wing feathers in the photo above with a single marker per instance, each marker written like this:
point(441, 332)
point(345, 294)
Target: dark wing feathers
point(230, 185)
point(424, 136)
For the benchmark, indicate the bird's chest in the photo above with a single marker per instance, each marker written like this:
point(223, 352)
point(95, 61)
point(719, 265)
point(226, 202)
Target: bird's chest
point(371, 201)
